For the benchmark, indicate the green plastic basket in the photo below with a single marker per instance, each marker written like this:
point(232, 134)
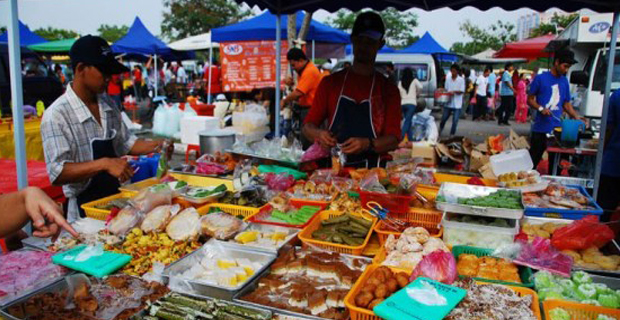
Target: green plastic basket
point(525, 273)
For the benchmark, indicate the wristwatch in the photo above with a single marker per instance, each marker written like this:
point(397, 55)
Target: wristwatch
point(540, 109)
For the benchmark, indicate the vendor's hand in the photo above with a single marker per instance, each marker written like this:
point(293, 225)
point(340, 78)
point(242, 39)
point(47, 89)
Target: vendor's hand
point(546, 112)
point(46, 215)
point(326, 139)
point(282, 104)
point(118, 168)
point(169, 150)
point(355, 145)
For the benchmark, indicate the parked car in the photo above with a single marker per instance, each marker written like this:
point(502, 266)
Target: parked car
point(38, 80)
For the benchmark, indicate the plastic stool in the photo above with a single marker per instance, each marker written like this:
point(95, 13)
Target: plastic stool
point(190, 148)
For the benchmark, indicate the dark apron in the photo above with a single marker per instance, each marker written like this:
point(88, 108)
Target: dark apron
point(102, 184)
point(354, 120)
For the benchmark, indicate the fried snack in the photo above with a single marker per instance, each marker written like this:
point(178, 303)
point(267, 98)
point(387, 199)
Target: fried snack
point(363, 299)
point(488, 268)
point(373, 292)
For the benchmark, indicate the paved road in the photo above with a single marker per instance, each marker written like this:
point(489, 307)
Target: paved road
point(479, 131)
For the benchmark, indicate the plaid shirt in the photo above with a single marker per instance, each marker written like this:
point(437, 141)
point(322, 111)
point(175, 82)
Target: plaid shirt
point(68, 127)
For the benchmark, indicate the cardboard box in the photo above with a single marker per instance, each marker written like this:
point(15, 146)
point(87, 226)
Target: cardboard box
point(477, 160)
point(487, 172)
point(425, 151)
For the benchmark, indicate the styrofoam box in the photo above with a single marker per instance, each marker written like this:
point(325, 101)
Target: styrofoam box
point(190, 126)
point(511, 161)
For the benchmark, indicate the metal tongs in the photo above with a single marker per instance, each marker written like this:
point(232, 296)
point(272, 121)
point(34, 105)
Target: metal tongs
point(377, 211)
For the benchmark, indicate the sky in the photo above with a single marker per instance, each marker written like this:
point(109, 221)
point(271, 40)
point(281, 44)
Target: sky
point(85, 16)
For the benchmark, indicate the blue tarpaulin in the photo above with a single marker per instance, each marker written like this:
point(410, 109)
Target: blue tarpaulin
point(349, 50)
point(263, 27)
point(26, 37)
point(140, 41)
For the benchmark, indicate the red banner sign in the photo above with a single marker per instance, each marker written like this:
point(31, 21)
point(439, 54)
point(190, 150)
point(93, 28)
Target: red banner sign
point(248, 65)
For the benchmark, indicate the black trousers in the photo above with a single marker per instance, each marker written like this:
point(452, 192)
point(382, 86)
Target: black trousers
point(608, 196)
point(505, 109)
point(480, 109)
point(538, 146)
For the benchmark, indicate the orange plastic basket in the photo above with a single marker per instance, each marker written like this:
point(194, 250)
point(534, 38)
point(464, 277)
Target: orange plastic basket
point(233, 210)
point(306, 235)
point(579, 310)
point(133, 189)
point(357, 313)
point(428, 219)
point(100, 214)
point(445, 177)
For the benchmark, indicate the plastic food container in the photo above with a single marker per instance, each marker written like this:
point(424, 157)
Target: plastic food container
point(450, 192)
point(579, 310)
point(476, 235)
point(393, 202)
point(573, 214)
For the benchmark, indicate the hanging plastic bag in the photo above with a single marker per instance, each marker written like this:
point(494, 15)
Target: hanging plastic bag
point(159, 120)
point(582, 234)
point(438, 265)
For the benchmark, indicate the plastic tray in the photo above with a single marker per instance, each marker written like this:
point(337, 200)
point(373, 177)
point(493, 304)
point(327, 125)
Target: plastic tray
point(306, 235)
point(357, 313)
point(455, 190)
point(100, 214)
point(263, 215)
point(479, 235)
point(419, 218)
point(231, 209)
point(201, 181)
point(291, 237)
point(233, 251)
point(566, 213)
point(579, 310)
point(394, 203)
point(525, 273)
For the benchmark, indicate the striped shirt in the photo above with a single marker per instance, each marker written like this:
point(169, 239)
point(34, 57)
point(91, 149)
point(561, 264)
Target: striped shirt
point(67, 129)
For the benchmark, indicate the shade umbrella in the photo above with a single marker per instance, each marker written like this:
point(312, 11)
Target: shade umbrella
point(530, 49)
point(53, 46)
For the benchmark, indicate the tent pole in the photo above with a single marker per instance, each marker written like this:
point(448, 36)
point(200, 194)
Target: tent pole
point(156, 74)
point(312, 51)
point(210, 66)
point(606, 97)
point(278, 71)
point(17, 96)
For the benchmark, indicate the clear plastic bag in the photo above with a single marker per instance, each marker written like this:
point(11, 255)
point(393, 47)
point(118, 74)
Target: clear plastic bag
point(184, 226)
point(157, 219)
point(339, 159)
point(541, 255)
point(128, 218)
point(408, 184)
point(280, 181)
point(221, 226)
point(148, 199)
point(371, 183)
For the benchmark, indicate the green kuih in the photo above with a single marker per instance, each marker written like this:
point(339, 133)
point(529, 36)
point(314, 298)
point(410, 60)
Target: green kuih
point(559, 314)
point(581, 277)
point(609, 301)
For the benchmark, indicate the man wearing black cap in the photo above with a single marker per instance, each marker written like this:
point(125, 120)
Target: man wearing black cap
point(549, 95)
point(361, 108)
point(83, 132)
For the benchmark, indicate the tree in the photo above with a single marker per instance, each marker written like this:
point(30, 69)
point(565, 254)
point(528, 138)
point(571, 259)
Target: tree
point(3, 29)
point(399, 25)
point(51, 34)
point(493, 37)
point(558, 22)
point(191, 17)
point(112, 33)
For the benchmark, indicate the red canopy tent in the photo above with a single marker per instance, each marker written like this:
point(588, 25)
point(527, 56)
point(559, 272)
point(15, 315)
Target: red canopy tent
point(529, 49)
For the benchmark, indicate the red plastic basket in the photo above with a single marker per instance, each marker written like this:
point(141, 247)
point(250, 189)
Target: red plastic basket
point(394, 203)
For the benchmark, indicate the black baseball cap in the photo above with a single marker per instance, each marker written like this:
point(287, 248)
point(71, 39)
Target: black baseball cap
point(565, 56)
point(95, 51)
point(369, 24)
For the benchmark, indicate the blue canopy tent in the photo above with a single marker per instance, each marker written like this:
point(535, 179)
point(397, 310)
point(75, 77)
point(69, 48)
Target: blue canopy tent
point(426, 44)
point(140, 41)
point(349, 50)
point(263, 27)
point(267, 26)
point(26, 36)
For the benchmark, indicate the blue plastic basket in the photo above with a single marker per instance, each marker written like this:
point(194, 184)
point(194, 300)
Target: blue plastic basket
point(566, 213)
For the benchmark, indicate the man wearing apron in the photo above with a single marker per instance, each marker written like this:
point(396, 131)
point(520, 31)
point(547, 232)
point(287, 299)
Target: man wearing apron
point(83, 132)
point(358, 108)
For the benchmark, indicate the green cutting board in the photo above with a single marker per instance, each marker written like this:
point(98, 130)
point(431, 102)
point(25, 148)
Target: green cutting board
point(400, 306)
point(98, 266)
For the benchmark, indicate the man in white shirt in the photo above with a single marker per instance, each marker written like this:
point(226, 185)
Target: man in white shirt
point(181, 75)
point(456, 86)
point(481, 87)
